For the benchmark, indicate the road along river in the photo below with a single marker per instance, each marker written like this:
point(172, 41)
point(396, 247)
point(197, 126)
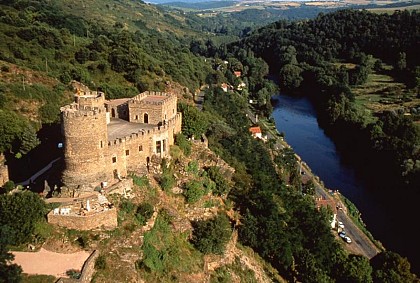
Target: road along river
point(390, 217)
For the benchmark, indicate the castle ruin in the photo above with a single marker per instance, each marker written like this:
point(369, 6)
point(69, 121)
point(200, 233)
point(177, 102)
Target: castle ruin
point(104, 140)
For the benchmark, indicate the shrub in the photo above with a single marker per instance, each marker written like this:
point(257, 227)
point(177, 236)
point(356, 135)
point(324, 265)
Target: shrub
point(192, 167)
point(144, 212)
point(193, 191)
point(100, 262)
point(211, 236)
point(222, 186)
point(183, 143)
point(167, 181)
point(140, 181)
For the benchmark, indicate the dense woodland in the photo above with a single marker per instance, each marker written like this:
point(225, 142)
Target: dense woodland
point(305, 58)
point(277, 221)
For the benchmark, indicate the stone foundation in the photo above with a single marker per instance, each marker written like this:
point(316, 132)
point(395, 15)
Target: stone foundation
point(106, 219)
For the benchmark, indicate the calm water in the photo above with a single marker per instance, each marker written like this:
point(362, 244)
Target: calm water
point(390, 218)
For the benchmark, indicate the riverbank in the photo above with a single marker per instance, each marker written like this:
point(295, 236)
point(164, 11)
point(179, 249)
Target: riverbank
point(368, 245)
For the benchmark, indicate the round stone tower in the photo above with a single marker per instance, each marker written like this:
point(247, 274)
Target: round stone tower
point(84, 129)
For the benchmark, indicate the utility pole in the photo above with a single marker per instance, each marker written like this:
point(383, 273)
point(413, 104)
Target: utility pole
point(74, 40)
point(46, 65)
point(23, 82)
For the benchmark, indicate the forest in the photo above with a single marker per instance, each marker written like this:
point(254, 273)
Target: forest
point(312, 58)
point(44, 46)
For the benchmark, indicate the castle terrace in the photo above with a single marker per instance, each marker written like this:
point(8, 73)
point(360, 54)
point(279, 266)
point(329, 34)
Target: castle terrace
point(118, 128)
point(154, 98)
point(116, 102)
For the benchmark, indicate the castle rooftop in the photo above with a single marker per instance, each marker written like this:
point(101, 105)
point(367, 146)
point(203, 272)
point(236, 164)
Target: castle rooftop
point(154, 98)
point(118, 101)
point(119, 128)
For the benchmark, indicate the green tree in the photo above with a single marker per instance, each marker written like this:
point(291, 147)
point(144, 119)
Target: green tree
point(21, 211)
point(211, 236)
point(390, 267)
point(194, 122)
point(290, 76)
point(355, 269)
point(9, 273)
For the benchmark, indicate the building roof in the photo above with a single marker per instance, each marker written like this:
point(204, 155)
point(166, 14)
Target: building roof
point(320, 202)
point(237, 73)
point(255, 130)
point(154, 98)
point(116, 102)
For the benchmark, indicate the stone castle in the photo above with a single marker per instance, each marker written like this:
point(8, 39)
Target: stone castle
point(104, 140)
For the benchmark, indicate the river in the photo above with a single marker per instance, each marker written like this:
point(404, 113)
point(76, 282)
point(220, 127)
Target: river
point(390, 217)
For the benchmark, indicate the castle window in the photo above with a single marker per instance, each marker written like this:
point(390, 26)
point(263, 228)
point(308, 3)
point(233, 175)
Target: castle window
point(102, 144)
point(164, 145)
point(137, 117)
point(146, 118)
point(114, 159)
point(140, 147)
point(127, 152)
point(158, 147)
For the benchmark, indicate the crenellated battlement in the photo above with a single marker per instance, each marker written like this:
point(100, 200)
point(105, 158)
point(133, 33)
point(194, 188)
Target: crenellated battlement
point(153, 97)
point(74, 111)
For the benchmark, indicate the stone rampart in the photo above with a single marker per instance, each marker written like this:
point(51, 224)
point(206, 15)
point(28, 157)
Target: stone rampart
point(106, 219)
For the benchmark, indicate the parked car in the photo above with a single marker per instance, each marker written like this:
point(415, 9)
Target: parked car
point(347, 239)
point(340, 224)
point(342, 234)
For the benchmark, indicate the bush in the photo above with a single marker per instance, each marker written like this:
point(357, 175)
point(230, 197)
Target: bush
point(144, 212)
point(167, 181)
point(192, 167)
point(127, 207)
point(140, 181)
point(193, 191)
point(211, 236)
point(222, 186)
point(100, 262)
point(183, 143)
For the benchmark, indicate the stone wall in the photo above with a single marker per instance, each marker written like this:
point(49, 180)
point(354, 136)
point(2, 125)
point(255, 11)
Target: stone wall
point(106, 219)
point(4, 172)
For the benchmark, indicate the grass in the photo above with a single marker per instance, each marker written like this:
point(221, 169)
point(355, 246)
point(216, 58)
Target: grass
point(381, 92)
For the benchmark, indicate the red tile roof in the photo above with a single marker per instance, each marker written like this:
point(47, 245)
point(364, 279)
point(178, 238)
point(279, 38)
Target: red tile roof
point(255, 130)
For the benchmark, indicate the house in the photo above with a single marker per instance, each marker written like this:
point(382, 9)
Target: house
point(256, 132)
point(241, 86)
point(237, 73)
point(224, 86)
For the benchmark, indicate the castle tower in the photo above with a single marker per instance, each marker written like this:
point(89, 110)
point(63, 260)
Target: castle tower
point(84, 128)
point(154, 108)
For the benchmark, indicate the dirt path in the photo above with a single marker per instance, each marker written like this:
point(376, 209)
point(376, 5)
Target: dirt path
point(50, 263)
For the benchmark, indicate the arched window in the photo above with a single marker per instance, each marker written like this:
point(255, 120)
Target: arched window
point(113, 113)
point(146, 118)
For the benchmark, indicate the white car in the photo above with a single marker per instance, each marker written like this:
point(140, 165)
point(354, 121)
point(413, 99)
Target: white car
point(340, 224)
point(347, 239)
